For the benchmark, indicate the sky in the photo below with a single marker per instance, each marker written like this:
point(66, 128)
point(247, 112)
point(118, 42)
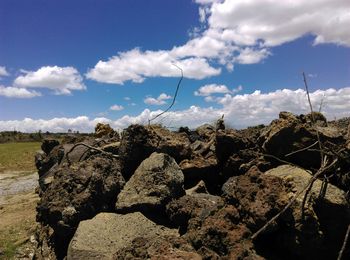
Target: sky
point(70, 64)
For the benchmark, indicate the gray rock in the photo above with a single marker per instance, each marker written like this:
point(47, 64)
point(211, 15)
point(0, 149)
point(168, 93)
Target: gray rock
point(156, 181)
point(325, 221)
point(298, 179)
point(107, 233)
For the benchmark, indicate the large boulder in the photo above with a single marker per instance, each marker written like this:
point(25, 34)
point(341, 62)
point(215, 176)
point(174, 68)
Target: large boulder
point(77, 192)
point(107, 233)
point(326, 218)
point(155, 182)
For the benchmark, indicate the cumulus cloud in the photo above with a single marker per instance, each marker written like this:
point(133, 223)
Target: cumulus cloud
point(278, 22)
point(239, 110)
point(116, 108)
point(62, 80)
point(3, 72)
point(136, 65)
point(232, 32)
point(13, 92)
point(160, 100)
point(210, 89)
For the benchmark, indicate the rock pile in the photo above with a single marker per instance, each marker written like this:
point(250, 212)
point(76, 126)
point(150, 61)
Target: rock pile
point(196, 194)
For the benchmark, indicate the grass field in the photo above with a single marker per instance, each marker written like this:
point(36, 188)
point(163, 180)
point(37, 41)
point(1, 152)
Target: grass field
point(18, 156)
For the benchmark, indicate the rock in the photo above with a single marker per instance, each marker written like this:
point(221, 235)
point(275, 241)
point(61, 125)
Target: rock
point(317, 119)
point(104, 130)
point(198, 205)
point(330, 133)
point(227, 143)
point(177, 145)
point(199, 188)
point(79, 192)
point(205, 131)
point(158, 248)
point(155, 182)
point(287, 116)
point(258, 197)
point(221, 236)
point(200, 168)
point(294, 135)
point(326, 219)
point(107, 233)
point(137, 143)
point(48, 144)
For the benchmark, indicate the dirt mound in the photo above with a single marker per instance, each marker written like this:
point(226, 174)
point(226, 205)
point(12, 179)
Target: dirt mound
point(209, 183)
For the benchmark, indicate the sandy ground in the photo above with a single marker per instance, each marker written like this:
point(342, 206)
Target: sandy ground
point(17, 214)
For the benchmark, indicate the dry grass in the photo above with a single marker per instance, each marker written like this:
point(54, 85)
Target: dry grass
point(18, 156)
point(17, 223)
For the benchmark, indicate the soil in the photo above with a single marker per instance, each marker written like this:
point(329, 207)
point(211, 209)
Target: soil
point(17, 213)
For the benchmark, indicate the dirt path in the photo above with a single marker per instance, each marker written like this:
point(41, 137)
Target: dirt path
point(17, 214)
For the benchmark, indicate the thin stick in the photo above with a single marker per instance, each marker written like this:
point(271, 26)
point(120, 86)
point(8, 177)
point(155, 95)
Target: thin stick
point(90, 147)
point(313, 117)
point(301, 150)
point(175, 95)
point(314, 177)
point(282, 161)
point(341, 252)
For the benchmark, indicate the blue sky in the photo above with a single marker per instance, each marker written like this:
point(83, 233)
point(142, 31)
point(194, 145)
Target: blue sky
point(70, 64)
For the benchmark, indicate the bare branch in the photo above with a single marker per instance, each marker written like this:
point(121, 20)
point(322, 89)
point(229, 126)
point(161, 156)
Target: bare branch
point(175, 95)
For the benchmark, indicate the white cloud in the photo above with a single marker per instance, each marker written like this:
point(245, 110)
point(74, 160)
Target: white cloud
point(278, 22)
point(3, 72)
point(62, 80)
point(231, 32)
point(210, 89)
point(116, 108)
point(160, 100)
point(251, 56)
point(239, 110)
point(136, 65)
point(127, 98)
point(13, 92)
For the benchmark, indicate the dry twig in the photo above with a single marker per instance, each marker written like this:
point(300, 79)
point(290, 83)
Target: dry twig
point(90, 147)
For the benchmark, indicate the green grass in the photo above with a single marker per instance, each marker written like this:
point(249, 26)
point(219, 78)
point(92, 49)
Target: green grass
point(18, 156)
